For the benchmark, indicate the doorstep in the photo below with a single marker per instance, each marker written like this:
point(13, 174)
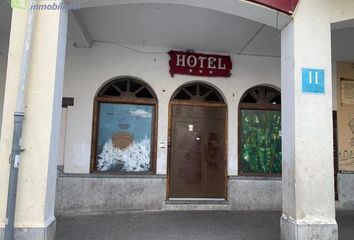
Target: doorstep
point(178, 204)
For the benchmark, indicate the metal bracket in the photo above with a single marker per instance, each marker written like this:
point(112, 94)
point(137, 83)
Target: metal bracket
point(17, 161)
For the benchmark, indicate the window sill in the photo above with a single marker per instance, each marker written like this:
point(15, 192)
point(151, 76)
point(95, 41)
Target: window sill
point(111, 175)
point(250, 177)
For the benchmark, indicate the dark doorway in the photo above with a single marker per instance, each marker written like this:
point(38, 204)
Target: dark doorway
point(197, 148)
point(335, 153)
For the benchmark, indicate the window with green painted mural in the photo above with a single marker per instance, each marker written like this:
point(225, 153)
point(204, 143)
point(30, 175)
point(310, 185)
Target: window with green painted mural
point(260, 132)
point(261, 141)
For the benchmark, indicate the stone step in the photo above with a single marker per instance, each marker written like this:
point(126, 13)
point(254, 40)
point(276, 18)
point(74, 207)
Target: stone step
point(196, 204)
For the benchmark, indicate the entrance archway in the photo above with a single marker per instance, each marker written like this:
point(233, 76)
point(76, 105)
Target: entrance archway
point(197, 143)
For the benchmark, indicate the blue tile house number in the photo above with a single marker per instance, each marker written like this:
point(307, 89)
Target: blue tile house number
point(313, 80)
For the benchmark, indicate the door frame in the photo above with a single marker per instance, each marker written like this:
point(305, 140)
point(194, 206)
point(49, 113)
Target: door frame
point(169, 152)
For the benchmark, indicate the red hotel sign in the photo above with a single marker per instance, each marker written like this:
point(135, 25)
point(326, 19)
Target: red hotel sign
point(285, 6)
point(197, 64)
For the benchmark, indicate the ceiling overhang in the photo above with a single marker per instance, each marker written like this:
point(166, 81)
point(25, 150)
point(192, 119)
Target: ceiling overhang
point(246, 9)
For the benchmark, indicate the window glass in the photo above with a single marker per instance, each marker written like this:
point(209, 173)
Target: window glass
point(261, 141)
point(124, 137)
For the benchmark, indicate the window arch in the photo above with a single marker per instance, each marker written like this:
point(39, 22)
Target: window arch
point(126, 88)
point(260, 132)
point(124, 127)
point(198, 92)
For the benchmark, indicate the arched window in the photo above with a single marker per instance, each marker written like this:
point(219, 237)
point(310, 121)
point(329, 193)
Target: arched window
point(124, 127)
point(260, 132)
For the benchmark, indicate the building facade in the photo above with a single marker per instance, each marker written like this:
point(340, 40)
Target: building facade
point(182, 105)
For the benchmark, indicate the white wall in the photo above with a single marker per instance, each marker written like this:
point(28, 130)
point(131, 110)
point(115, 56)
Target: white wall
point(87, 69)
point(4, 49)
point(64, 113)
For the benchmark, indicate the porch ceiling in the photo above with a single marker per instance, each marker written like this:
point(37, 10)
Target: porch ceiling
point(180, 27)
point(186, 27)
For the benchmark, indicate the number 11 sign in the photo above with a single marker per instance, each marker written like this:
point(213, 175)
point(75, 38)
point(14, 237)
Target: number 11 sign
point(313, 80)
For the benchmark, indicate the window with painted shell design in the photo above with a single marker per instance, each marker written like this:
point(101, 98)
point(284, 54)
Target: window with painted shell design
point(124, 127)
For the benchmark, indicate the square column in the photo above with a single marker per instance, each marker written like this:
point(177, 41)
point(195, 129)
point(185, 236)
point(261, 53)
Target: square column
point(34, 218)
point(308, 184)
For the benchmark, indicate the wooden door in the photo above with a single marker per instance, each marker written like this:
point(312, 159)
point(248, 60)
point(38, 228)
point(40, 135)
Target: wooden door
point(197, 158)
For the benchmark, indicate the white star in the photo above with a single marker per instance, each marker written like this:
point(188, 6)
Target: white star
point(211, 72)
point(190, 70)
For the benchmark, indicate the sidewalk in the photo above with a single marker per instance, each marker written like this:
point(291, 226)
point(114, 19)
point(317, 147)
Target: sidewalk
point(173, 225)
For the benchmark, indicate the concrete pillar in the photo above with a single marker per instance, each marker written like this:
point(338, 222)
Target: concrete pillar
point(308, 184)
point(34, 217)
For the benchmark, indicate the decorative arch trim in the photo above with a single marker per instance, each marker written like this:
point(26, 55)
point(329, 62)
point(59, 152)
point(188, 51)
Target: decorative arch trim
point(127, 87)
point(198, 92)
point(261, 97)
